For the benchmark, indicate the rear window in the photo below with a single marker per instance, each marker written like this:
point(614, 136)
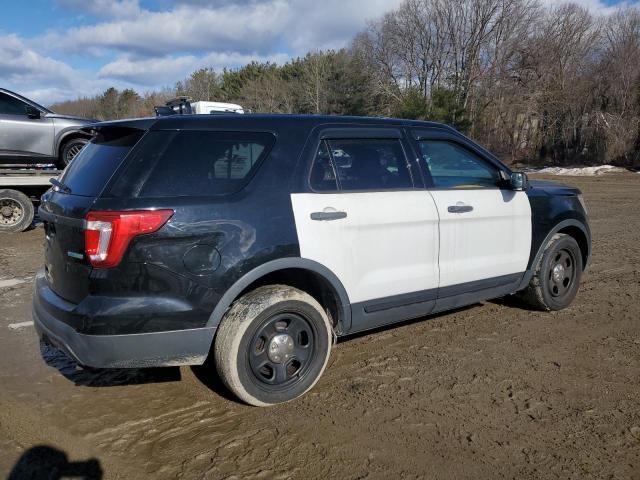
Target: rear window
point(192, 163)
point(91, 169)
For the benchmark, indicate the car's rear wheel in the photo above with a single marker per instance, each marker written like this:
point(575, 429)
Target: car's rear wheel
point(272, 345)
point(16, 211)
point(71, 149)
point(557, 276)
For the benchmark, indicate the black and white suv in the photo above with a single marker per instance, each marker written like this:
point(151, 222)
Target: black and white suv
point(261, 238)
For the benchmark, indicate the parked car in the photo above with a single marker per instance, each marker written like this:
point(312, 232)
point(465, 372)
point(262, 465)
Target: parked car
point(31, 134)
point(240, 235)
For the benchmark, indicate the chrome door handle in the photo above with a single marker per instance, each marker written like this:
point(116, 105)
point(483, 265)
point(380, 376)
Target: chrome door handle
point(327, 216)
point(459, 208)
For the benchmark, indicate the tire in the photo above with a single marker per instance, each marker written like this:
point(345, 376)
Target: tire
point(16, 211)
point(552, 287)
point(251, 347)
point(70, 149)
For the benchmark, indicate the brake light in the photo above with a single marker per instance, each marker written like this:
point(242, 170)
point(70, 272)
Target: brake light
point(108, 234)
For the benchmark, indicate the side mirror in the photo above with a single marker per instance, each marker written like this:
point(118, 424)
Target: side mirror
point(32, 112)
point(519, 181)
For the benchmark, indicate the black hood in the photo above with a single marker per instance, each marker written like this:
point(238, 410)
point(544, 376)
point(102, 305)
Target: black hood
point(554, 188)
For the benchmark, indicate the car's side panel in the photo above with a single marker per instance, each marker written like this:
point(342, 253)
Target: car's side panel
point(25, 138)
point(387, 244)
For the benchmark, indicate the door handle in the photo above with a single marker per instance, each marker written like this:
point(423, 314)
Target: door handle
point(327, 216)
point(459, 208)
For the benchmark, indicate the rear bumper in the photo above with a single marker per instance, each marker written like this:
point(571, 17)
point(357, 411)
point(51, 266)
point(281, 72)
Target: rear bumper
point(152, 349)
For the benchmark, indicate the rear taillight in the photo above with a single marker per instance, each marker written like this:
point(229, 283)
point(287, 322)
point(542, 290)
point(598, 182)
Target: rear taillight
point(108, 234)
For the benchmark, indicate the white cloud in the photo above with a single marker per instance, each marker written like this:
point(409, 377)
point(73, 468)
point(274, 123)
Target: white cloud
point(168, 70)
point(184, 29)
point(156, 47)
point(258, 26)
point(331, 23)
point(42, 78)
point(21, 64)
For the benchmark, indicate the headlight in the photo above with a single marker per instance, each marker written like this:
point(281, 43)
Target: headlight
point(581, 200)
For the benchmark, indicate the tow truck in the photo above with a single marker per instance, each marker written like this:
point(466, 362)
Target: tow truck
point(20, 192)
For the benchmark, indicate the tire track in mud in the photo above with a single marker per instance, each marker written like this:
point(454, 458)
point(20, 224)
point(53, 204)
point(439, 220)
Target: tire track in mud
point(26, 429)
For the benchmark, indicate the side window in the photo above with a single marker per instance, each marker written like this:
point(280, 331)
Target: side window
point(453, 166)
point(192, 163)
point(370, 164)
point(323, 175)
point(11, 106)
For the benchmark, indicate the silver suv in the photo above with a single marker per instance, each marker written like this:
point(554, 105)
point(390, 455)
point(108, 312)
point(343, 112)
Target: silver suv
point(32, 135)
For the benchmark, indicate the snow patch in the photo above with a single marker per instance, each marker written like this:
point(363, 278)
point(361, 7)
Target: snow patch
point(18, 326)
point(582, 171)
point(10, 282)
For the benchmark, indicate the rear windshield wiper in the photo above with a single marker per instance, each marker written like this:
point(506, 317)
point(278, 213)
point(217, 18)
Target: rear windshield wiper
point(59, 185)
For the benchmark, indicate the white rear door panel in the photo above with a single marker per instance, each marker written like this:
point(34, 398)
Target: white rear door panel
point(386, 245)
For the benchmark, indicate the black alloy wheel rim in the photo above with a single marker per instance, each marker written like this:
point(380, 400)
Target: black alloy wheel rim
point(282, 350)
point(562, 273)
point(72, 152)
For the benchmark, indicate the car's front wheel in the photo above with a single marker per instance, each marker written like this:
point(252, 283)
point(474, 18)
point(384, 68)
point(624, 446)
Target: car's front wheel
point(556, 279)
point(71, 149)
point(272, 345)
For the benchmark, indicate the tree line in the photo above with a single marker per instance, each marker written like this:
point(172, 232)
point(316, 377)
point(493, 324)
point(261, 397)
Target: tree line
point(533, 83)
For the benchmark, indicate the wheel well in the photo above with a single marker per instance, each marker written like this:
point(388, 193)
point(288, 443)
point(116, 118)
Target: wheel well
point(310, 282)
point(581, 238)
point(71, 136)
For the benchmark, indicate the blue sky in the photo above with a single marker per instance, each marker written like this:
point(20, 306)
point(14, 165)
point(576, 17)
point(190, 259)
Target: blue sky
point(61, 49)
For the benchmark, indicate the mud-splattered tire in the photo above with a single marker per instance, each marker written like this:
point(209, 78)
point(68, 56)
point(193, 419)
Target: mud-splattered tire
point(556, 279)
point(16, 211)
point(272, 345)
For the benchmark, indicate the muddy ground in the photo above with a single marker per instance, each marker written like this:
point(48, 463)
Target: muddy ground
point(491, 391)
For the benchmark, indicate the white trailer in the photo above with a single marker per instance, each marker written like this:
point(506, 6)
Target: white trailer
point(204, 108)
point(20, 192)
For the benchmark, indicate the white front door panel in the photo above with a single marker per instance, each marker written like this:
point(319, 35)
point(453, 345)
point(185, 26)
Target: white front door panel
point(492, 240)
point(386, 245)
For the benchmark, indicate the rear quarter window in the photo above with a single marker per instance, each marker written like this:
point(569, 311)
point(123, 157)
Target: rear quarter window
point(94, 165)
point(192, 163)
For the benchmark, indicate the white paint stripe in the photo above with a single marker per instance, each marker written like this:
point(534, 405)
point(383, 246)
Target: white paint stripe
point(18, 326)
point(11, 282)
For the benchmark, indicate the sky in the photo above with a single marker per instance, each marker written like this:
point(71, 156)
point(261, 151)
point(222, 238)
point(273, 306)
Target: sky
point(61, 49)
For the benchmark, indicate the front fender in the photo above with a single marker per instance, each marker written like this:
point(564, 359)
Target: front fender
point(536, 253)
point(66, 133)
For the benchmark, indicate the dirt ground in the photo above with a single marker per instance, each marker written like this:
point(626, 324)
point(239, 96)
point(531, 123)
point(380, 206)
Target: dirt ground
point(491, 391)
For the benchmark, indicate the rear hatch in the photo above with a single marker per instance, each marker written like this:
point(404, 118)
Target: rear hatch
point(63, 209)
